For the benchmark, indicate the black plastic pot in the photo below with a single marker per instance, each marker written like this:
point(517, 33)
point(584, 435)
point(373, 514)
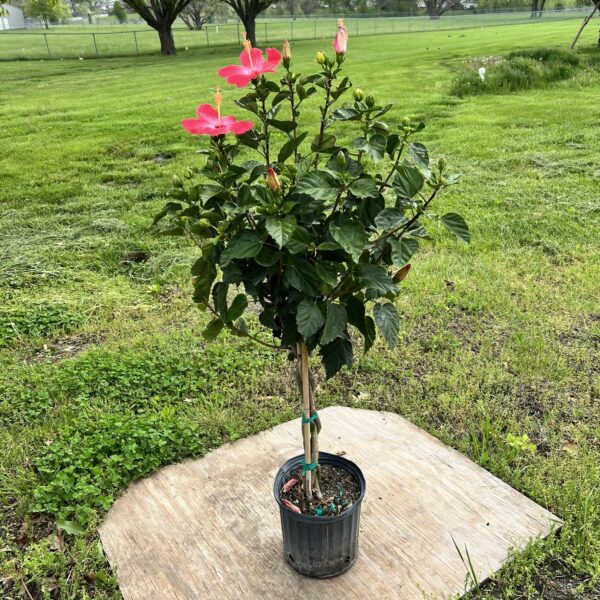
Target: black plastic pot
point(320, 546)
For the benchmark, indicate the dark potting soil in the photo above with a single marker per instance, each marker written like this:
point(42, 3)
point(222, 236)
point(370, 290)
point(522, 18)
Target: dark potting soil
point(340, 490)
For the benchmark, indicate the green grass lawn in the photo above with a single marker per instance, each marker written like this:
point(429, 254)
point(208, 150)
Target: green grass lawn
point(104, 376)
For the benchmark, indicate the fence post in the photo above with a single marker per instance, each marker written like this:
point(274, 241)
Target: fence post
point(266, 33)
point(291, 31)
point(207, 41)
point(315, 28)
point(238, 30)
point(137, 49)
point(357, 26)
point(47, 46)
point(95, 45)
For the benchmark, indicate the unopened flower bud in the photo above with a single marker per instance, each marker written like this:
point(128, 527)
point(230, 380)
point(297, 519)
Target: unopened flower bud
point(341, 159)
point(442, 163)
point(358, 94)
point(286, 53)
point(177, 181)
point(370, 100)
point(273, 180)
point(320, 58)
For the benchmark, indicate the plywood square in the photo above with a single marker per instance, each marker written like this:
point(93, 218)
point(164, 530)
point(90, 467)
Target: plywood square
point(209, 528)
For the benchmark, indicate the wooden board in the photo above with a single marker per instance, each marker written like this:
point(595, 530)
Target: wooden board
point(209, 528)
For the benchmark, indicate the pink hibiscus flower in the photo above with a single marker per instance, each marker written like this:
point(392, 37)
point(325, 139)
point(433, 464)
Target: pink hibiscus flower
point(210, 121)
point(252, 65)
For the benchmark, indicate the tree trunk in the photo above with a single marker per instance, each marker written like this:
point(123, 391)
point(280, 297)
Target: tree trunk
point(249, 22)
point(46, 23)
point(167, 43)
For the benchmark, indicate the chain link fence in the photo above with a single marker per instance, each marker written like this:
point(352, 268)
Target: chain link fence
point(57, 44)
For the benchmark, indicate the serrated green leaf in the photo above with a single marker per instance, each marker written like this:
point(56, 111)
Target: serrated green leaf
point(281, 230)
point(458, 226)
point(319, 185)
point(407, 181)
point(364, 187)
point(245, 245)
point(290, 146)
point(327, 272)
point(219, 294)
point(212, 330)
point(351, 237)
point(335, 323)
point(309, 318)
point(388, 322)
point(238, 306)
point(376, 280)
point(336, 355)
point(419, 154)
point(205, 272)
point(390, 218)
point(402, 250)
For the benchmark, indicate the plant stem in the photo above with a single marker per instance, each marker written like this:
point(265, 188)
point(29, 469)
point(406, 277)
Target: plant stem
point(393, 169)
point(323, 117)
point(265, 130)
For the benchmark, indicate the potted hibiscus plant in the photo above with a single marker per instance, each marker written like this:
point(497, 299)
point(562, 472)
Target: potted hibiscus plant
point(318, 236)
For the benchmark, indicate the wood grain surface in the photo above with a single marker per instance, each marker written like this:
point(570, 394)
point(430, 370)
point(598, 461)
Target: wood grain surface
point(209, 528)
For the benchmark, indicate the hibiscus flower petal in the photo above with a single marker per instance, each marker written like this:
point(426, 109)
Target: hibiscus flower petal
point(240, 79)
point(240, 127)
point(207, 112)
point(194, 126)
point(273, 59)
point(257, 58)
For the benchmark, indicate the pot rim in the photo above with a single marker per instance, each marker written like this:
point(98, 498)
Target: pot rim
point(324, 458)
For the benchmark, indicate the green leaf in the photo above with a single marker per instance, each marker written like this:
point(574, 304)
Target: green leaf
point(365, 324)
point(287, 126)
point(70, 527)
point(309, 318)
point(351, 237)
point(219, 294)
point(407, 181)
point(324, 144)
point(245, 245)
point(335, 323)
point(302, 276)
point(376, 281)
point(388, 322)
point(458, 226)
point(364, 187)
point(375, 146)
point(419, 154)
point(336, 355)
point(319, 185)
point(205, 272)
point(212, 330)
point(327, 272)
point(281, 230)
point(328, 246)
point(402, 250)
point(344, 114)
point(389, 218)
point(238, 306)
point(288, 148)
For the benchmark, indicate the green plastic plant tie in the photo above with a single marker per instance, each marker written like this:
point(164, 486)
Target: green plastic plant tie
point(308, 467)
point(310, 419)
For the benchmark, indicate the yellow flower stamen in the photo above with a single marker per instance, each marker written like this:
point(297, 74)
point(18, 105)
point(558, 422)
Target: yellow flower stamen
point(218, 101)
point(248, 48)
